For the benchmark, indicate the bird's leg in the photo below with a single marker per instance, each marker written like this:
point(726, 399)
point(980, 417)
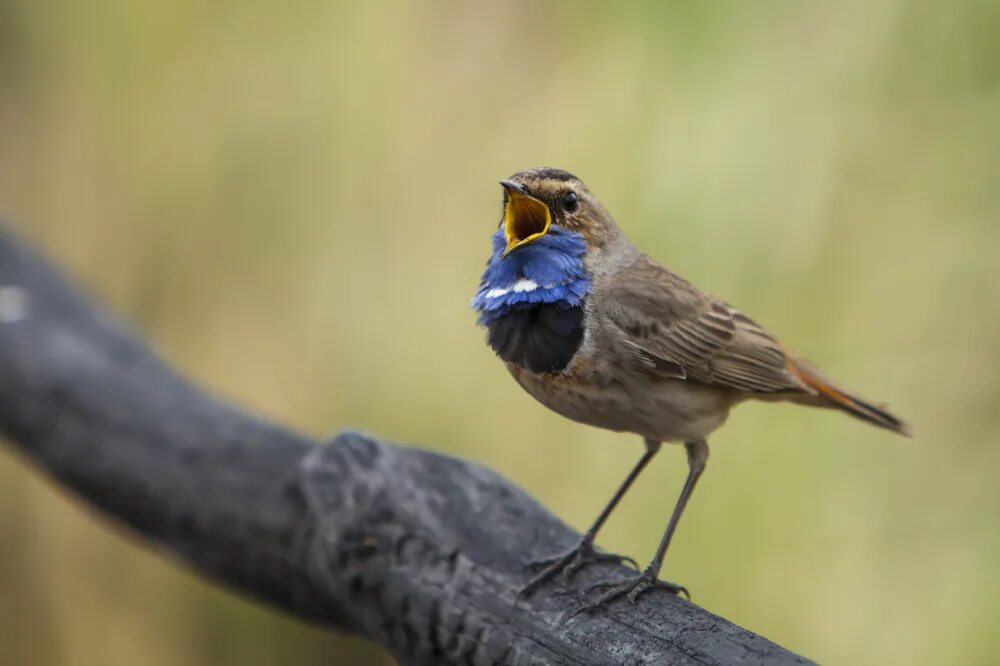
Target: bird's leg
point(697, 454)
point(584, 553)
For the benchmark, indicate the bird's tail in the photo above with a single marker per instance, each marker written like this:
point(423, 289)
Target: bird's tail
point(829, 395)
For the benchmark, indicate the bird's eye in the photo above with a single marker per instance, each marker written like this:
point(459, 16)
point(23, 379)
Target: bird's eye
point(569, 201)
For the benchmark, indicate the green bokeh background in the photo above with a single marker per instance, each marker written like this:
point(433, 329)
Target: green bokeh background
point(292, 201)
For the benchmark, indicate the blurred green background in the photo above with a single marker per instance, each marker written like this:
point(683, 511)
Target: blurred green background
point(292, 201)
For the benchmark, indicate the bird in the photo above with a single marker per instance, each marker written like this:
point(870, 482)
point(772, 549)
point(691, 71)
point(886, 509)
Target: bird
point(603, 334)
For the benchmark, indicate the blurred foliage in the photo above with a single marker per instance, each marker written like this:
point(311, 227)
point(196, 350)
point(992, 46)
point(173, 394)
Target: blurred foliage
point(293, 201)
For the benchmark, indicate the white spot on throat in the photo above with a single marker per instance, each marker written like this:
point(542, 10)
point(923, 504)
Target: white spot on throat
point(522, 285)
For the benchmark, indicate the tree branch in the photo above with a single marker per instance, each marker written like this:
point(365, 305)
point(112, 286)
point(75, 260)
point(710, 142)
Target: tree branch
point(418, 551)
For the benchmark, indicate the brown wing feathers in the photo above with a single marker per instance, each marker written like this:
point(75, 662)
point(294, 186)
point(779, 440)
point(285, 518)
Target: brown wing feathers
point(669, 319)
point(683, 332)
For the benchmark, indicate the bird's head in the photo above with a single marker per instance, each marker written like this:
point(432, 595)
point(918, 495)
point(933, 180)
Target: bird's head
point(536, 199)
point(551, 224)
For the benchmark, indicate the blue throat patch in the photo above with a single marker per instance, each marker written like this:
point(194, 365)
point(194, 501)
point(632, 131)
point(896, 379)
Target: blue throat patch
point(546, 271)
point(531, 301)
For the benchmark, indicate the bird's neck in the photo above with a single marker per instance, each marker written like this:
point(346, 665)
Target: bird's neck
point(548, 271)
point(614, 253)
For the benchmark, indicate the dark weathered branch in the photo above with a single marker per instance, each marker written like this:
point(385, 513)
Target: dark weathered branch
point(418, 551)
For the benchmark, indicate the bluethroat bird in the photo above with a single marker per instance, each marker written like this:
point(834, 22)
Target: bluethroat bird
point(599, 332)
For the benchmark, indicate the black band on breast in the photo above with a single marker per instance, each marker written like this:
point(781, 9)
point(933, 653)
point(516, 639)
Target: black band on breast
point(541, 338)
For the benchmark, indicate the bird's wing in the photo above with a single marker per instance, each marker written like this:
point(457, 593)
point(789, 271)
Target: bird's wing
point(678, 330)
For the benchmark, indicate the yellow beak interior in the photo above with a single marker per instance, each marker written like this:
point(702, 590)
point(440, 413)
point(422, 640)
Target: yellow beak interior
point(526, 219)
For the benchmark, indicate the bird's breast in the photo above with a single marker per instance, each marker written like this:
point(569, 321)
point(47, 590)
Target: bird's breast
point(541, 338)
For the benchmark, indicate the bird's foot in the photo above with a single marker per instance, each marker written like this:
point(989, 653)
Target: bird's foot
point(632, 589)
point(569, 563)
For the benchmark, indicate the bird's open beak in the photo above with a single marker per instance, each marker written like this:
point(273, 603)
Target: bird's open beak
point(526, 218)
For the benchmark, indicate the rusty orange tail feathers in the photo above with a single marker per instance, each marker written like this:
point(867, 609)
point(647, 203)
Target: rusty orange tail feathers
point(829, 395)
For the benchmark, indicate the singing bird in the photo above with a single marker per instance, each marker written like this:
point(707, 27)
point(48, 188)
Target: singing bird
point(602, 334)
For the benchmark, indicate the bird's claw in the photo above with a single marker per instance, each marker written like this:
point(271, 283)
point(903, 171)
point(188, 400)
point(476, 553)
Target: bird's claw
point(594, 557)
point(632, 589)
point(569, 563)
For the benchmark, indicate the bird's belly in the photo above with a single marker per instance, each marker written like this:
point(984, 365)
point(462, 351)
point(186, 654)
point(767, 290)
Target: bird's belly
point(659, 409)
